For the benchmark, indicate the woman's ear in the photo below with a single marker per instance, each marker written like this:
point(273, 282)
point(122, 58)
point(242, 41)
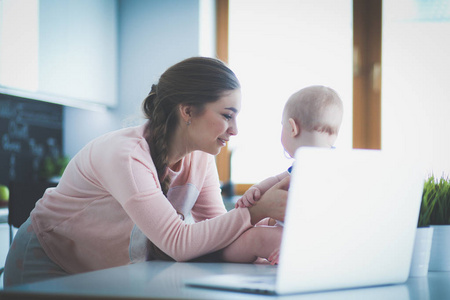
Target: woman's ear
point(295, 128)
point(185, 112)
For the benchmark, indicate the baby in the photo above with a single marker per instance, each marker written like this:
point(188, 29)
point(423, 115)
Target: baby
point(311, 117)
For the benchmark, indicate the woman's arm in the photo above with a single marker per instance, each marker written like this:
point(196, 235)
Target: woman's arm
point(137, 188)
point(152, 212)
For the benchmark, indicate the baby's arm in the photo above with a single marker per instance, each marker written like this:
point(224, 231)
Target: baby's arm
point(255, 242)
point(250, 197)
point(256, 191)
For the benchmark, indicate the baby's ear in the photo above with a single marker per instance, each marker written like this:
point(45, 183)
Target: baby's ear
point(295, 128)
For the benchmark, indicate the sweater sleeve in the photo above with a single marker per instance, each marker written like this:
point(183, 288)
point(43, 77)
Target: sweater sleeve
point(158, 220)
point(136, 187)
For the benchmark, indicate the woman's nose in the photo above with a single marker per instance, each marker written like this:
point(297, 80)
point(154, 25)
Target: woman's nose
point(233, 129)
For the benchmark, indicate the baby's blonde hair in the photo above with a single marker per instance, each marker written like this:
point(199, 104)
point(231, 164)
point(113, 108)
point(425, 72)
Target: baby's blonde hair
point(316, 108)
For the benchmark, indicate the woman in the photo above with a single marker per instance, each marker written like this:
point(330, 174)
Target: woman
point(124, 196)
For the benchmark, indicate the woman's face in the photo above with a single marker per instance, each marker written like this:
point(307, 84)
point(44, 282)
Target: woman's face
point(211, 129)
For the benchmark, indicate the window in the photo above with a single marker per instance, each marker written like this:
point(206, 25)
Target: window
point(277, 48)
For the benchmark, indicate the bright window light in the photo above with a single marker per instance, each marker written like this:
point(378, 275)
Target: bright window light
point(277, 47)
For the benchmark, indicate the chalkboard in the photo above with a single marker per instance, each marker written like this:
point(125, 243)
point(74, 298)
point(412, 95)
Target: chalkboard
point(30, 131)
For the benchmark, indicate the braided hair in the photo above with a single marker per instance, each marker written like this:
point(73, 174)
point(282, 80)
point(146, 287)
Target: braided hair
point(194, 81)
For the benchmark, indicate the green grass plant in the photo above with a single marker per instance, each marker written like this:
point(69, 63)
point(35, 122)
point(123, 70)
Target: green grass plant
point(435, 208)
point(52, 166)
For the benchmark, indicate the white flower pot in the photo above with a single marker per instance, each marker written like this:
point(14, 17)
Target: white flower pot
point(440, 250)
point(421, 253)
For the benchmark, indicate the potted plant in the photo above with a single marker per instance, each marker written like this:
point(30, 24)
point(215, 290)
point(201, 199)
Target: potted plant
point(424, 234)
point(437, 193)
point(52, 168)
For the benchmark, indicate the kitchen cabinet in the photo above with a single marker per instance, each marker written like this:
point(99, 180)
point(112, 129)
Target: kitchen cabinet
point(76, 56)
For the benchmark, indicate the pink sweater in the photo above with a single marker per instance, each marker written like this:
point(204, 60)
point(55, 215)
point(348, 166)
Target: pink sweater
point(111, 185)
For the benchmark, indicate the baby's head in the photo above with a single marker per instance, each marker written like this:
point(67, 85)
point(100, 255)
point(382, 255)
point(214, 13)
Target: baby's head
point(311, 117)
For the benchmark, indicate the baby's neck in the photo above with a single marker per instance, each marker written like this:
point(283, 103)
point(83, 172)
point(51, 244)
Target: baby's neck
point(316, 139)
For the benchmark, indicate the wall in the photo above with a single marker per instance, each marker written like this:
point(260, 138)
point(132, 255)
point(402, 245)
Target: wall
point(415, 89)
point(78, 50)
point(152, 35)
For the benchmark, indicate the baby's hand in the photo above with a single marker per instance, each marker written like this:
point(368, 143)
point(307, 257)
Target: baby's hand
point(274, 257)
point(249, 198)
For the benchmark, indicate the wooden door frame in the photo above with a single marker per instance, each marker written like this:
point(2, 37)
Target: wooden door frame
point(367, 27)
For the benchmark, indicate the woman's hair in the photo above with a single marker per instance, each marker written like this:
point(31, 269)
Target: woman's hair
point(194, 81)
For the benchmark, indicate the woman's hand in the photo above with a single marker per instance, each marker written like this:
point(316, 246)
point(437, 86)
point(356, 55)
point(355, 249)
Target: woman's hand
point(272, 203)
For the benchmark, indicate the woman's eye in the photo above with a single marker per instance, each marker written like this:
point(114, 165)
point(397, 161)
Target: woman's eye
point(228, 117)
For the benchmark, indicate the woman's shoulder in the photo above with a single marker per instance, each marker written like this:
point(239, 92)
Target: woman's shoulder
point(127, 137)
point(135, 132)
point(117, 145)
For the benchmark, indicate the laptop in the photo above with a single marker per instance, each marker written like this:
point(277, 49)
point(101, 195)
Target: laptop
point(350, 222)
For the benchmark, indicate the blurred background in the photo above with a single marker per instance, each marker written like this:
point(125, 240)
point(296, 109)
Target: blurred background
point(94, 61)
